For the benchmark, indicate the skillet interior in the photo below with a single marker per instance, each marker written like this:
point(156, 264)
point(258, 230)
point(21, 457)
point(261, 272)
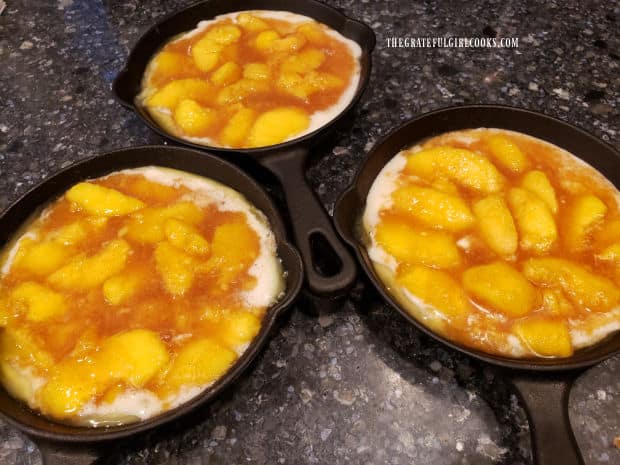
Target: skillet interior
point(349, 207)
point(127, 85)
point(21, 416)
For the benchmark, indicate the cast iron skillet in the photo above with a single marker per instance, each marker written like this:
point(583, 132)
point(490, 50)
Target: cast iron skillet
point(543, 384)
point(312, 227)
point(64, 444)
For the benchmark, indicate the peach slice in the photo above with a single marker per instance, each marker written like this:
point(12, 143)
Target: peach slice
point(433, 208)
point(436, 288)
point(507, 154)
point(546, 338)
point(501, 287)
point(538, 183)
point(496, 225)
point(462, 166)
point(407, 244)
point(102, 201)
point(584, 214)
point(537, 229)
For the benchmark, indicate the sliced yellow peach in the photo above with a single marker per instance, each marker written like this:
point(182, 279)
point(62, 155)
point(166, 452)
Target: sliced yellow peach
point(289, 44)
point(226, 74)
point(225, 34)
point(303, 86)
point(71, 386)
point(496, 225)
point(238, 327)
point(407, 244)
point(278, 125)
point(257, 71)
point(265, 39)
point(199, 362)
point(192, 118)
point(172, 93)
point(153, 191)
point(535, 223)
point(582, 216)
point(251, 23)
point(206, 53)
point(185, 237)
point(545, 337)
point(462, 166)
point(120, 288)
point(234, 248)
point(102, 201)
point(307, 60)
point(241, 89)
point(537, 183)
point(238, 127)
point(40, 258)
point(147, 226)
point(294, 84)
point(313, 32)
point(175, 267)
point(42, 302)
point(507, 154)
point(83, 273)
point(433, 208)
point(169, 63)
point(18, 345)
point(583, 287)
point(133, 356)
point(436, 288)
point(501, 287)
point(184, 211)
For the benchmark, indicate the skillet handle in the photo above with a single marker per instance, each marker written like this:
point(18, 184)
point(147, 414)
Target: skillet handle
point(545, 399)
point(53, 453)
point(329, 267)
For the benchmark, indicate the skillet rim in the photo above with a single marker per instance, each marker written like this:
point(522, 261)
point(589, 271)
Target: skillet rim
point(258, 152)
point(286, 251)
point(351, 194)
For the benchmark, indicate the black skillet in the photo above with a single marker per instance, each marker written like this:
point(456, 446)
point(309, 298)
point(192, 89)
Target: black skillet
point(542, 384)
point(312, 228)
point(64, 444)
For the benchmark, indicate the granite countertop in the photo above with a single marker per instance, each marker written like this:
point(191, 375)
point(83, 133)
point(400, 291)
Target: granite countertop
point(355, 386)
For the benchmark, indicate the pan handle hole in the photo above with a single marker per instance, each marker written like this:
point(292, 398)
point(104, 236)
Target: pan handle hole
point(324, 258)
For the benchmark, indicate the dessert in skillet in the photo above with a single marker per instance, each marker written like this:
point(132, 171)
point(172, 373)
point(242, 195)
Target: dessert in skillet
point(251, 79)
point(499, 241)
point(131, 294)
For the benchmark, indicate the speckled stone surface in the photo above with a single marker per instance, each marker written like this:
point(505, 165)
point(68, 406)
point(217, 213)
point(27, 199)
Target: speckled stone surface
point(357, 386)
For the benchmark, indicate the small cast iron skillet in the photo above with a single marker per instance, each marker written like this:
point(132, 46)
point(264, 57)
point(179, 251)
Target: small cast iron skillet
point(65, 444)
point(543, 384)
point(313, 230)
